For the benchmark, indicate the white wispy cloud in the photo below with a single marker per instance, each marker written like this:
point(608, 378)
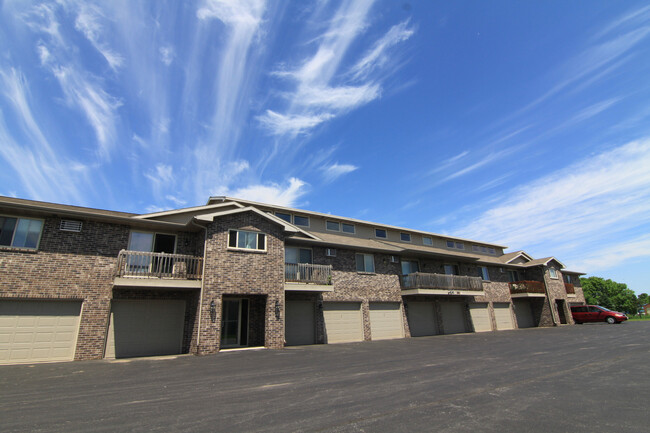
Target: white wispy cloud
point(94, 102)
point(167, 54)
point(323, 88)
point(272, 193)
point(161, 175)
point(281, 124)
point(42, 172)
point(377, 55)
point(334, 171)
point(586, 201)
point(600, 259)
point(242, 20)
point(88, 22)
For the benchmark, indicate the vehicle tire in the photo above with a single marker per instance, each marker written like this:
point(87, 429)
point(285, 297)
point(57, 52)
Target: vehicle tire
point(611, 320)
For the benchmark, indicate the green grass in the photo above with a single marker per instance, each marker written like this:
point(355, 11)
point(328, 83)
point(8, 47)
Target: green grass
point(646, 317)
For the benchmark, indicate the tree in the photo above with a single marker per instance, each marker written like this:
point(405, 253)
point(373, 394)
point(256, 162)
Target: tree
point(642, 299)
point(609, 294)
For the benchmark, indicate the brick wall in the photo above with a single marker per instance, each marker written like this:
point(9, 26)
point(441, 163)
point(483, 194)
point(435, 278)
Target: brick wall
point(234, 272)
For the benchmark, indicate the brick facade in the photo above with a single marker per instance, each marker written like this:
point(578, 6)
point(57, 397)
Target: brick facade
point(82, 266)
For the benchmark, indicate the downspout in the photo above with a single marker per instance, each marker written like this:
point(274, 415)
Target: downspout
point(205, 246)
point(548, 297)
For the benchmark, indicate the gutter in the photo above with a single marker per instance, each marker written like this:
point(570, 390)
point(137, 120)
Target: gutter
point(205, 247)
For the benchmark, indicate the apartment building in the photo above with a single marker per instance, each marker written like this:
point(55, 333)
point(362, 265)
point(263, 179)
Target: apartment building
point(79, 283)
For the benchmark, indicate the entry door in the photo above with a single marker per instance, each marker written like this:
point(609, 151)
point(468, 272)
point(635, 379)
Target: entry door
point(234, 327)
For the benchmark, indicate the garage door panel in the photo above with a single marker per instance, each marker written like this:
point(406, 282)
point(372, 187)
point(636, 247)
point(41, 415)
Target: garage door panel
point(145, 328)
point(503, 316)
point(524, 313)
point(480, 317)
point(453, 317)
point(300, 326)
point(36, 331)
point(422, 319)
point(386, 321)
point(343, 322)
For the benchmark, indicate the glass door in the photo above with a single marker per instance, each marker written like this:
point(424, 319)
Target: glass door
point(234, 326)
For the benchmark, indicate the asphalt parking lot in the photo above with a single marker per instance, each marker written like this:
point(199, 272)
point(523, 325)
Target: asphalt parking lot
point(593, 378)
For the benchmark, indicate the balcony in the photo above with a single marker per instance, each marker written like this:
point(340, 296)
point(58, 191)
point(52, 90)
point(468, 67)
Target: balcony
point(308, 277)
point(421, 283)
point(143, 269)
point(527, 289)
point(570, 289)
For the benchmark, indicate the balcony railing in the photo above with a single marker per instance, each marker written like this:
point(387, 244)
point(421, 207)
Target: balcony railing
point(158, 265)
point(422, 280)
point(308, 273)
point(570, 289)
point(527, 287)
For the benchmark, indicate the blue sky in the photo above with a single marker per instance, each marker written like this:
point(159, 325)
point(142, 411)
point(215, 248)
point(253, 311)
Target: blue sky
point(520, 123)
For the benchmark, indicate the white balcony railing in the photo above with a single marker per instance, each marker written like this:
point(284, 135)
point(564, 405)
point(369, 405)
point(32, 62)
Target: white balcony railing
point(422, 280)
point(308, 273)
point(158, 265)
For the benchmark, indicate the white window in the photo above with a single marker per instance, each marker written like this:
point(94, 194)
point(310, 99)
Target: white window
point(333, 226)
point(152, 242)
point(406, 237)
point(284, 216)
point(347, 228)
point(456, 245)
point(553, 272)
point(330, 252)
point(483, 273)
point(245, 240)
point(410, 267)
point(20, 232)
point(297, 255)
point(427, 241)
point(491, 251)
point(365, 262)
point(451, 269)
point(394, 259)
point(513, 276)
point(300, 220)
point(380, 233)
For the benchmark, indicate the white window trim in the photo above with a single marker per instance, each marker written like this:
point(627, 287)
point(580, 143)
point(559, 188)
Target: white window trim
point(410, 261)
point(364, 262)
point(330, 250)
point(40, 235)
point(249, 250)
point(334, 222)
point(487, 271)
point(381, 237)
point(354, 229)
point(291, 246)
point(552, 272)
point(408, 234)
point(301, 216)
point(285, 213)
point(455, 247)
point(153, 240)
point(430, 239)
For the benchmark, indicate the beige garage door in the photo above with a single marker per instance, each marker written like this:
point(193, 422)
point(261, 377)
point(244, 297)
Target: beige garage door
point(145, 328)
point(300, 325)
point(453, 317)
point(343, 322)
point(480, 317)
point(386, 320)
point(524, 313)
point(503, 316)
point(422, 319)
point(34, 331)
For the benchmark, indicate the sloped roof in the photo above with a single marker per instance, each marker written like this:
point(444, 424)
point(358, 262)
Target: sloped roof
point(351, 242)
point(507, 258)
point(544, 261)
point(221, 199)
point(288, 227)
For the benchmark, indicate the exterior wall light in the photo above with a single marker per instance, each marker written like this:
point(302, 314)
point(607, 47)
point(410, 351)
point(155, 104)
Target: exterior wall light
point(213, 311)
